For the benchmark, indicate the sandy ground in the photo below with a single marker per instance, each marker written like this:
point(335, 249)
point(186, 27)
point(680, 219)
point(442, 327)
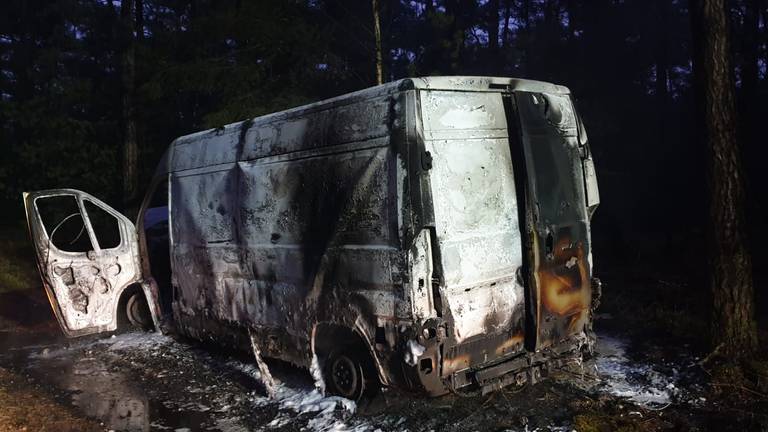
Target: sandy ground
point(148, 381)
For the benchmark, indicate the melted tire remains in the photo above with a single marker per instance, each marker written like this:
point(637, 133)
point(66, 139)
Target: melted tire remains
point(137, 311)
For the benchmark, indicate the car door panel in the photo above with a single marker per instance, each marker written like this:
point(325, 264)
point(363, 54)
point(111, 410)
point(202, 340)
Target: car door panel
point(82, 278)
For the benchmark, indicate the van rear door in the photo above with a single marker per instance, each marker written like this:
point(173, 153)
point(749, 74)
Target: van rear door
point(87, 253)
point(476, 225)
point(557, 214)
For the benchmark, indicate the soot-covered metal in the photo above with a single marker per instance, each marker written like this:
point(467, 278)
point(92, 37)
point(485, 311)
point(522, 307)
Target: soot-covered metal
point(430, 233)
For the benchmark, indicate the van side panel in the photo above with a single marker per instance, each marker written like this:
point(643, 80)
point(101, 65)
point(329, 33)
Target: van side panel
point(204, 233)
point(321, 228)
point(292, 222)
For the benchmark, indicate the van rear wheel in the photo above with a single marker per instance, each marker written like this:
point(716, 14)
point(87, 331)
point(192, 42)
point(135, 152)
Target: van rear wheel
point(345, 375)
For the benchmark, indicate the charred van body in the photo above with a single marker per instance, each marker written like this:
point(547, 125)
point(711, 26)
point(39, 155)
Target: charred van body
point(430, 233)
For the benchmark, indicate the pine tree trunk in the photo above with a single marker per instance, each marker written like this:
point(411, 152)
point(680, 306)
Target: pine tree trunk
point(734, 328)
point(493, 28)
point(507, 16)
point(128, 76)
point(377, 34)
point(457, 32)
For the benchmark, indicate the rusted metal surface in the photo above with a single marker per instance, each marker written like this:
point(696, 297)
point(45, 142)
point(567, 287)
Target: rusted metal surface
point(442, 223)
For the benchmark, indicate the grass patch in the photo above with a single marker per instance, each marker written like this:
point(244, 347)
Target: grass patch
point(17, 261)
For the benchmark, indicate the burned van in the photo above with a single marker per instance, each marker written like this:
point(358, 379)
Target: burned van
point(430, 233)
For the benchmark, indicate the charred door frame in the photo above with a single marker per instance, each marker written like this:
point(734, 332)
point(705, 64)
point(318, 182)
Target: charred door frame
point(524, 215)
point(420, 191)
point(544, 265)
point(154, 300)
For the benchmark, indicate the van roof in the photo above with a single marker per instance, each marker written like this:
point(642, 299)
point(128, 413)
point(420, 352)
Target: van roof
point(474, 83)
point(450, 83)
point(457, 83)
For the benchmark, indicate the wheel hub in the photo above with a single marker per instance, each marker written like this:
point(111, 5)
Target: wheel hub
point(345, 376)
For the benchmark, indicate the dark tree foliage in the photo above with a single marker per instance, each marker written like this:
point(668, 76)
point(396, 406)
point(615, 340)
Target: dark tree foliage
point(59, 97)
point(204, 63)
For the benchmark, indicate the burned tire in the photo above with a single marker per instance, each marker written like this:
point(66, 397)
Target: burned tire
point(137, 311)
point(345, 375)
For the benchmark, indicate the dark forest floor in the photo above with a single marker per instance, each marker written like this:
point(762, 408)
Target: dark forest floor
point(147, 381)
point(646, 376)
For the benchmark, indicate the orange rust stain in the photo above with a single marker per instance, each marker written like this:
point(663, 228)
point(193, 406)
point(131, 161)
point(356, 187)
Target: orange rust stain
point(451, 365)
point(564, 288)
point(509, 344)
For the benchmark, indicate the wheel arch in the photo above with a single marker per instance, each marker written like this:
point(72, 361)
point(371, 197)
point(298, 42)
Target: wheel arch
point(329, 336)
point(121, 313)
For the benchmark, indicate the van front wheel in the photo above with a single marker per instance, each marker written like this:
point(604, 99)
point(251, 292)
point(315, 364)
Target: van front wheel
point(137, 311)
point(345, 376)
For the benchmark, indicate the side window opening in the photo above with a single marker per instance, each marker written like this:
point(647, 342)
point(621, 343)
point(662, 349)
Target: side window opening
point(105, 226)
point(63, 223)
point(156, 216)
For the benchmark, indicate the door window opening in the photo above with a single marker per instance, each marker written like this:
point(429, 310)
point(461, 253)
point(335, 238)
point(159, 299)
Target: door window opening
point(105, 226)
point(64, 224)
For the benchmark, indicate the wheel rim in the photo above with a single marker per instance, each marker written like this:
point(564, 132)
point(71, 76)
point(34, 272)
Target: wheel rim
point(346, 376)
